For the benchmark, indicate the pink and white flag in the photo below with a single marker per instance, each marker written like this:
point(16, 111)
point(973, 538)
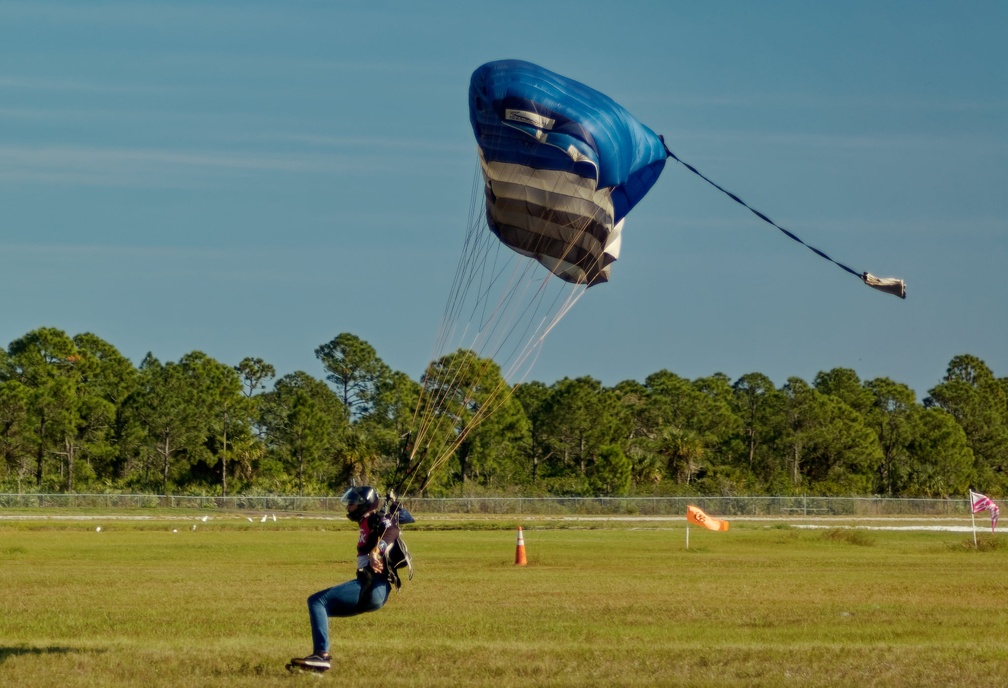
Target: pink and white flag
point(983, 503)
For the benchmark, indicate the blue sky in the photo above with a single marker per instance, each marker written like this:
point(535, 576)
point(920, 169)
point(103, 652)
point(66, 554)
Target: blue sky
point(251, 179)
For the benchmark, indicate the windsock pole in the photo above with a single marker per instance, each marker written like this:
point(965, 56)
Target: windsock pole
point(520, 559)
point(687, 534)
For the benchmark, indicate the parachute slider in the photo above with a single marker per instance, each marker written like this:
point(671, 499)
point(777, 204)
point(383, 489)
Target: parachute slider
point(890, 285)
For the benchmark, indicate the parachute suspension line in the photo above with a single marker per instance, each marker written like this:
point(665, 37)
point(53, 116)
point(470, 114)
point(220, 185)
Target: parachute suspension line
point(502, 391)
point(473, 272)
point(428, 403)
point(536, 327)
point(488, 319)
point(425, 413)
point(897, 287)
point(449, 316)
point(510, 294)
point(503, 311)
point(519, 320)
point(497, 397)
point(533, 342)
point(441, 390)
point(463, 274)
point(491, 404)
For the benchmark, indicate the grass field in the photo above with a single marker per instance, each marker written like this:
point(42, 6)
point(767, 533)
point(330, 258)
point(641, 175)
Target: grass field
point(600, 603)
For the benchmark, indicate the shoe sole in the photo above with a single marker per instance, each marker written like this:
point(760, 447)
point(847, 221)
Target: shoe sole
point(293, 667)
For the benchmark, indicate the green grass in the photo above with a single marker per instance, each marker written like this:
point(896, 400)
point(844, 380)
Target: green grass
point(138, 605)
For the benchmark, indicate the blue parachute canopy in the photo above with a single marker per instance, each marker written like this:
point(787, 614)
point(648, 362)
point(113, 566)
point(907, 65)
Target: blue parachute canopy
point(562, 164)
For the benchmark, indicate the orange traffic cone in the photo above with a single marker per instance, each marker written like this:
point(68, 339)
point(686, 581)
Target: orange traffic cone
point(520, 559)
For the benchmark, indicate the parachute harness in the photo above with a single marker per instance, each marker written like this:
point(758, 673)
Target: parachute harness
point(889, 285)
point(394, 557)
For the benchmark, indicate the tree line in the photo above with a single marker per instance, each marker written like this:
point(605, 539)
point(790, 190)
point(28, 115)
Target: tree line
point(77, 416)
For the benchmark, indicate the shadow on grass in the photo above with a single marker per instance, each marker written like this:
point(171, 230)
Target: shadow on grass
point(22, 650)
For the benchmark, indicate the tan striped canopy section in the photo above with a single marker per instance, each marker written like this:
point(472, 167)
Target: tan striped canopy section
point(558, 218)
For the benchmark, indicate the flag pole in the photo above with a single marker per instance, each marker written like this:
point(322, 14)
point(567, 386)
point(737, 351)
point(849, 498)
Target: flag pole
point(973, 519)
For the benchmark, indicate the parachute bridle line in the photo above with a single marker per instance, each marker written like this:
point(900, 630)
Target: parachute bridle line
point(890, 286)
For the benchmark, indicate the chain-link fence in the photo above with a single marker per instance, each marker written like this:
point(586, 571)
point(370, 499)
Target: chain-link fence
point(546, 506)
point(675, 506)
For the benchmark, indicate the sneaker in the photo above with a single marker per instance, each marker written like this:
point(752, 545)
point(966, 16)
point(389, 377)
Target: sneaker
point(320, 661)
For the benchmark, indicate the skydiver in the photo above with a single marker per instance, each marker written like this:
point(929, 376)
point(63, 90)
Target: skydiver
point(379, 553)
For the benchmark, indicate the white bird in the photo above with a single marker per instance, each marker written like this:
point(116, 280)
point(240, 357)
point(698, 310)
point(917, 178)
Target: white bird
point(98, 529)
point(204, 519)
point(274, 518)
point(263, 519)
point(194, 526)
point(249, 519)
point(174, 530)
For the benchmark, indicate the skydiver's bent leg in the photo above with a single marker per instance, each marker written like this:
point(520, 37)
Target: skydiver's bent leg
point(342, 600)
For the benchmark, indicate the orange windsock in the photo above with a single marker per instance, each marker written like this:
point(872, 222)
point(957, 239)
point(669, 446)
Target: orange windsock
point(520, 559)
point(695, 515)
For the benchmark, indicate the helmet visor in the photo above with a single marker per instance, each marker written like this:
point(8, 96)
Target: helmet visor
point(351, 497)
point(359, 497)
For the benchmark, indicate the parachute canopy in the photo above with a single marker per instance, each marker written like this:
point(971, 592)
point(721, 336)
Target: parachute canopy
point(562, 165)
